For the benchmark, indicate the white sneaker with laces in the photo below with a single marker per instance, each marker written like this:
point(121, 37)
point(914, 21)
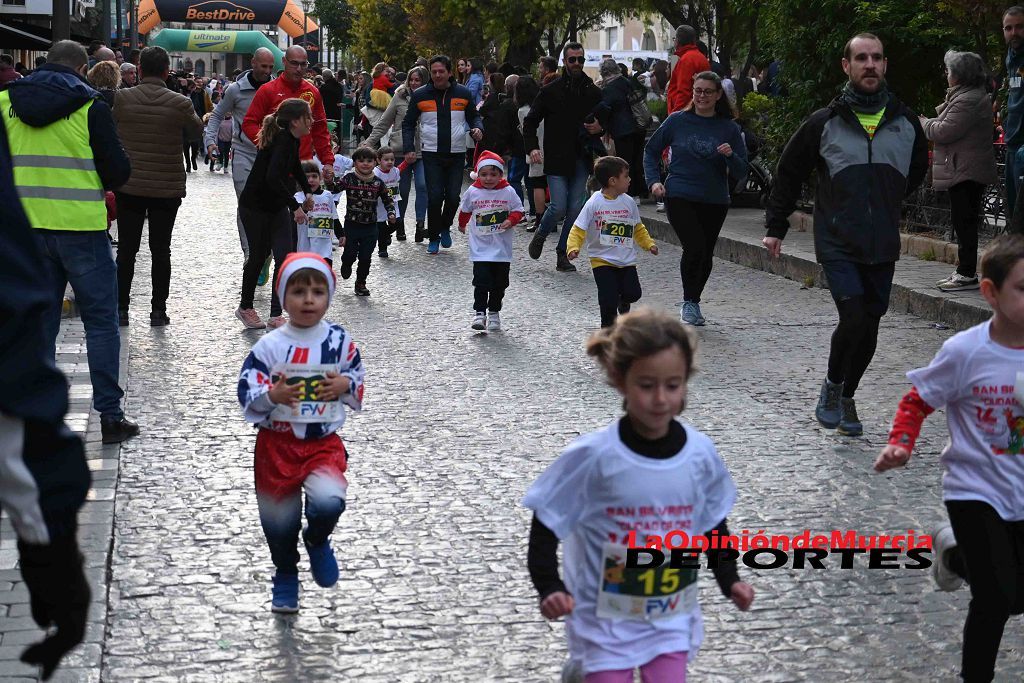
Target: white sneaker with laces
point(250, 318)
point(946, 279)
point(943, 541)
point(479, 320)
point(493, 321)
point(959, 283)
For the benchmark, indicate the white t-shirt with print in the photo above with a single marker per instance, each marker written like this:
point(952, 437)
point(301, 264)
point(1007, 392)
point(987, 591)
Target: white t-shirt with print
point(315, 234)
point(981, 384)
point(594, 494)
point(609, 224)
point(390, 179)
point(490, 208)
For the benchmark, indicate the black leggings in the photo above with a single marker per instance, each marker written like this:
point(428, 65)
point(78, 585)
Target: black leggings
point(617, 288)
point(965, 212)
point(697, 225)
point(266, 231)
point(990, 555)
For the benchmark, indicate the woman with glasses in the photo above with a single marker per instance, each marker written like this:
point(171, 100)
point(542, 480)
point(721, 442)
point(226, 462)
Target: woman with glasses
point(707, 155)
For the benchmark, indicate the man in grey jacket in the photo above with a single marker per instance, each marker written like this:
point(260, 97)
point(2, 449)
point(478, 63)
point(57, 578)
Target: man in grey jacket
point(235, 103)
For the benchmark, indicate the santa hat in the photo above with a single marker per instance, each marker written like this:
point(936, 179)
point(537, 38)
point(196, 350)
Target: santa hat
point(296, 262)
point(487, 159)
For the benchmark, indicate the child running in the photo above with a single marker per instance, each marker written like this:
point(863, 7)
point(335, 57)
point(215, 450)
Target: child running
point(610, 226)
point(978, 375)
point(292, 386)
point(314, 235)
point(493, 207)
point(645, 470)
point(390, 176)
point(362, 190)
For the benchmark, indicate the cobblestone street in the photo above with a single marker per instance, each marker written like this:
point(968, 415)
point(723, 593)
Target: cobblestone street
point(456, 425)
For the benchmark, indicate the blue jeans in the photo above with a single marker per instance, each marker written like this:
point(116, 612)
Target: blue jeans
point(1014, 171)
point(281, 518)
point(568, 194)
point(84, 259)
point(444, 183)
point(405, 182)
point(516, 171)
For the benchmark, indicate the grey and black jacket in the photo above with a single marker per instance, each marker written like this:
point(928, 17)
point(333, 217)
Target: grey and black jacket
point(861, 181)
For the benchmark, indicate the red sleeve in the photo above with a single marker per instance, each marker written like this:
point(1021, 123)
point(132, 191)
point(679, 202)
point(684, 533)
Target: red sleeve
point(515, 217)
point(254, 116)
point(464, 218)
point(402, 166)
point(910, 415)
point(321, 135)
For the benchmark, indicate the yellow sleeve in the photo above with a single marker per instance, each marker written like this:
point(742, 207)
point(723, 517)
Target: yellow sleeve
point(642, 237)
point(576, 237)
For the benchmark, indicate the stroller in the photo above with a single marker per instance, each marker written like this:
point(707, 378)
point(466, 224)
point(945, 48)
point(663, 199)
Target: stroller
point(754, 190)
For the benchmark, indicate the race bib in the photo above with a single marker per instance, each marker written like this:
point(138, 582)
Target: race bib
point(488, 223)
point(393, 193)
point(617, 234)
point(643, 594)
point(320, 228)
point(308, 409)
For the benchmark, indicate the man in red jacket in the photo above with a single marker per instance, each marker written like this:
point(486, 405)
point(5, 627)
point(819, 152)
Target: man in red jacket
point(691, 62)
point(291, 84)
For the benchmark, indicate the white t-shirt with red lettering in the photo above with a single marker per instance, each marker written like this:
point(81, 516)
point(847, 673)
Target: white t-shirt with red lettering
point(591, 497)
point(490, 208)
point(315, 234)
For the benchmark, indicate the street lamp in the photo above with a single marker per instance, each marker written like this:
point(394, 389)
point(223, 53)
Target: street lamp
point(305, 25)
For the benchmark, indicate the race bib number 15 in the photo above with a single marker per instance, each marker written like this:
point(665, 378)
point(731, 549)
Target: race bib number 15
point(643, 594)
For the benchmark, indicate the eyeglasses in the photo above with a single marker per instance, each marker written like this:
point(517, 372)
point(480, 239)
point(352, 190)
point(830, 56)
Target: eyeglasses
point(701, 92)
point(576, 60)
point(295, 62)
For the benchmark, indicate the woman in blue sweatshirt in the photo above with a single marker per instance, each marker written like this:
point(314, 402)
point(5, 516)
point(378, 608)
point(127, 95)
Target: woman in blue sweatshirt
point(707, 156)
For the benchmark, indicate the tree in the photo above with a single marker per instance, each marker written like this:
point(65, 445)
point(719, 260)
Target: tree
point(337, 16)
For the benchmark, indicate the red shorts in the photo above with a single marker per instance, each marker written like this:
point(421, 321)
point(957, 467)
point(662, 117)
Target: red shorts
point(283, 461)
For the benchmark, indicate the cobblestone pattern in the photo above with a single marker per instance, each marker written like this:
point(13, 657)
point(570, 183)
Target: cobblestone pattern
point(457, 424)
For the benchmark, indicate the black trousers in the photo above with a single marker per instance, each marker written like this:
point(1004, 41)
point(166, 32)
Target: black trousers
point(631, 149)
point(617, 288)
point(384, 232)
point(990, 556)
point(490, 280)
point(132, 212)
point(965, 212)
point(360, 240)
point(697, 225)
point(267, 232)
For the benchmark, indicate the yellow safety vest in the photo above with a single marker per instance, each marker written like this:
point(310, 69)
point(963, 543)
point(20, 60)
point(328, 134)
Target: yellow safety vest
point(54, 171)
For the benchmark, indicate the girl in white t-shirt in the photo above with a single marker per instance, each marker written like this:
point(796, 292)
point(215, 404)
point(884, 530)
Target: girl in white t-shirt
point(645, 473)
point(978, 375)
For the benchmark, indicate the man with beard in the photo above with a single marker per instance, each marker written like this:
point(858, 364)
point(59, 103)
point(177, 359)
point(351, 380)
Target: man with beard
point(566, 106)
point(235, 103)
point(870, 152)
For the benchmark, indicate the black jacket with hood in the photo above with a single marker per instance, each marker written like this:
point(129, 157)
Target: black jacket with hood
point(562, 105)
point(53, 92)
point(862, 181)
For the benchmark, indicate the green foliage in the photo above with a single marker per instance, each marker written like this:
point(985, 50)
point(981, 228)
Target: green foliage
point(659, 108)
point(337, 16)
point(379, 33)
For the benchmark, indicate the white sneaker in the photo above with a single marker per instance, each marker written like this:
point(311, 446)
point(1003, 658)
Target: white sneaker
point(943, 541)
point(493, 321)
point(276, 322)
point(250, 318)
point(946, 279)
point(479, 320)
point(959, 283)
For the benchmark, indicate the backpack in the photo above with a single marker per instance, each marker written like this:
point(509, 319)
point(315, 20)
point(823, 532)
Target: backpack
point(637, 99)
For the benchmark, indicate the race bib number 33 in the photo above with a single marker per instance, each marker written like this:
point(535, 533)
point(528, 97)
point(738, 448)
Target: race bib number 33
point(643, 594)
point(617, 234)
point(308, 409)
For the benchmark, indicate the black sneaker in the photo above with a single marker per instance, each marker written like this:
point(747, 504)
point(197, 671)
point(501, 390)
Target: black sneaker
point(117, 429)
point(400, 236)
point(563, 264)
point(383, 253)
point(361, 289)
point(537, 246)
point(421, 233)
point(122, 318)
point(159, 319)
point(345, 270)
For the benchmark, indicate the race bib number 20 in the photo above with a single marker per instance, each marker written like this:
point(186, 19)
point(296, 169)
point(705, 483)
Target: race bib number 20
point(643, 594)
point(617, 234)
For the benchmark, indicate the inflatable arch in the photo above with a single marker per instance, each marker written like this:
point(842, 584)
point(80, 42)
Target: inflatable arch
point(180, 40)
point(285, 13)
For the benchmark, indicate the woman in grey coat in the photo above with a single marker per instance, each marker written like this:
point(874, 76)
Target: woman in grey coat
point(964, 160)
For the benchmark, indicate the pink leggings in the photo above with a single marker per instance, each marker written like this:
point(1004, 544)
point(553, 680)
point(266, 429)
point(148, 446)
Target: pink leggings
point(667, 668)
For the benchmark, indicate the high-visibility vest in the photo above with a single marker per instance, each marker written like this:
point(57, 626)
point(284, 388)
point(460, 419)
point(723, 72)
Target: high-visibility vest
point(54, 170)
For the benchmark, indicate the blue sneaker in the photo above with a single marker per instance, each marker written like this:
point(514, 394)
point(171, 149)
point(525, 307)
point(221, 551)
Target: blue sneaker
point(285, 594)
point(446, 239)
point(690, 313)
point(849, 424)
point(323, 564)
point(433, 247)
point(830, 410)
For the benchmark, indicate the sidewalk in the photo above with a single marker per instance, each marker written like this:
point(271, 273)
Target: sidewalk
point(913, 289)
point(17, 629)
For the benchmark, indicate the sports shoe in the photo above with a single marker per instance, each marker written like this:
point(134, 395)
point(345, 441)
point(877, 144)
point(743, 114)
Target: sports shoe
point(564, 265)
point(265, 273)
point(117, 429)
point(660, 208)
point(536, 245)
point(421, 233)
point(493, 321)
point(849, 424)
point(250, 318)
point(382, 253)
point(323, 564)
point(479, 320)
point(829, 410)
point(958, 283)
point(122, 318)
point(400, 236)
point(285, 594)
point(159, 319)
point(944, 541)
point(690, 313)
point(946, 279)
point(276, 322)
point(446, 239)
point(345, 270)
point(433, 247)
point(361, 289)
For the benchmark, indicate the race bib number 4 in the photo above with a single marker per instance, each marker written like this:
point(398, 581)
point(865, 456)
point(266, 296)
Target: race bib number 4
point(488, 222)
point(643, 594)
point(308, 408)
point(319, 228)
point(617, 234)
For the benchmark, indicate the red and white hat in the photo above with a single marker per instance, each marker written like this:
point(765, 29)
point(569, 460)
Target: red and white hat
point(296, 262)
point(487, 159)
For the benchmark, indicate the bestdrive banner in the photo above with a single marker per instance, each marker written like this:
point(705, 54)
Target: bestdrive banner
point(285, 13)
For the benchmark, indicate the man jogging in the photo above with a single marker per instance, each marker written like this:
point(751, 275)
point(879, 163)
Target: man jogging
point(870, 152)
